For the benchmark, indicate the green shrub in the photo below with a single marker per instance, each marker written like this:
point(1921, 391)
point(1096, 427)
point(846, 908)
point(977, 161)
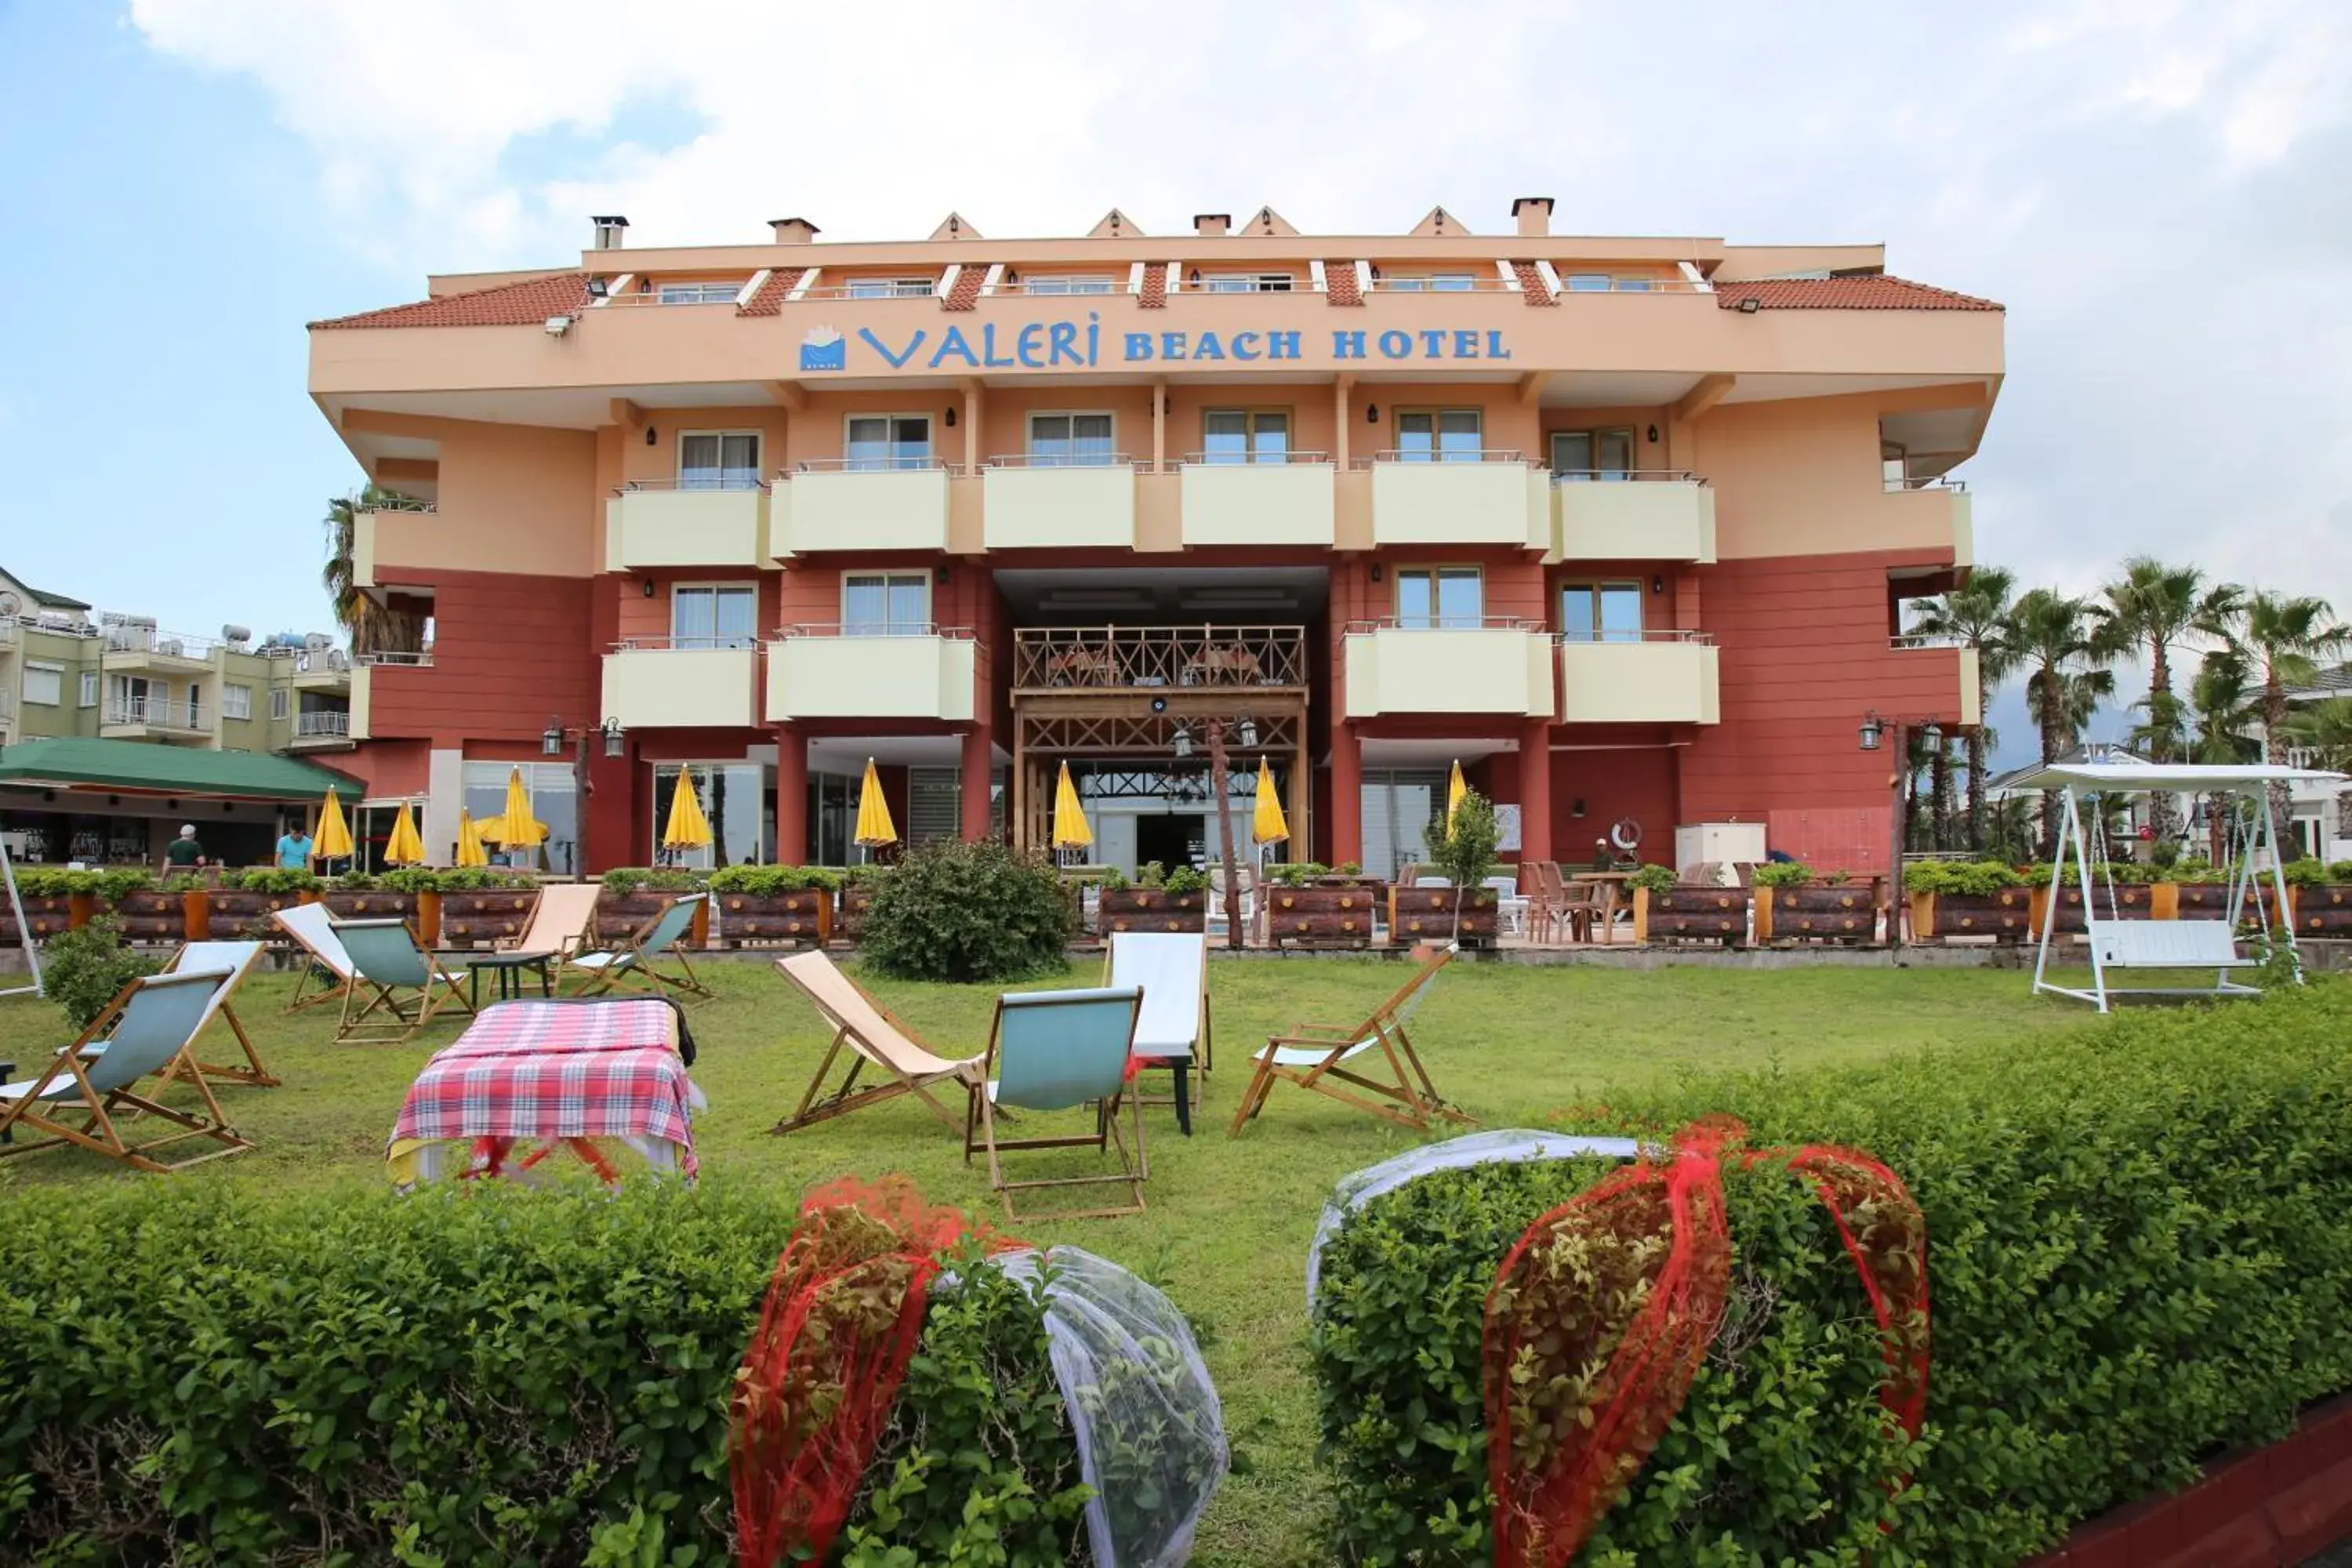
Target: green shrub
point(1152, 874)
point(486, 1376)
point(270, 879)
point(768, 881)
point(117, 883)
point(1467, 852)
point(1657, 878)
point(1349, 868)
point(1783, 874)
point(2308, 872)
point(2339, 871)
point(624, 880)
point(413, 880)
point(1295, 873)
point(477, 880)
point(2140, 1250)
point(184, 882)
point(1184, 880)
point(1964, 878)
point(355, 882)
point(958, 913)
point(83, 968)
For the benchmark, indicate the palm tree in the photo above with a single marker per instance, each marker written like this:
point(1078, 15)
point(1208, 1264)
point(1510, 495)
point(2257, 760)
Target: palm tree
point(2151, 607)
point(2222, 708)
point(2280, 640)
point(1977, 614)
point(371, 626)
point(2056, 639)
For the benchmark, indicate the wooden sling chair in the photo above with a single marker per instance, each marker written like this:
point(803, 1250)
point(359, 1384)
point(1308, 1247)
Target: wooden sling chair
point(312, 928)
point(563, 923)
point(1311, 1055)
point(1053, 1050)
point(239, 959)
point(83, 1097)
point(397, 988)
point(873, 1037)
point(630, 962)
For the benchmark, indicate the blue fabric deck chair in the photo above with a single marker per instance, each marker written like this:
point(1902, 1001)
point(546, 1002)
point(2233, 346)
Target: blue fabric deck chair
point(1054, 1050)
point(396, 988)
point(84, 1095)
point(630, 961)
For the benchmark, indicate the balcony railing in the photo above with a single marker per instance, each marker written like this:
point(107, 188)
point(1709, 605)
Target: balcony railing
point(1443, 623)
point(1069, 460)
point(875, 629)
point(705, 480)
point(1442, 455)
point(1628, 634)
point(411, 661)
point(1927, 639)
point(1115, 658)
point(893, 464)
point(1630, 476)
point(154, 715)
point(167, 645)
point(875, 670)
point(1896, 483)
point(698, 642)
point(321, 725)
point(1251, 459)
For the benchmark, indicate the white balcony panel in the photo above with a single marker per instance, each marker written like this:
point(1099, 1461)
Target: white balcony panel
point(1650, 519)
point(1461, 503)
point(1486, 669)
point(1260, 503)
point(1053, 508)
point(892, 508)
point(1653, 683)
point(666, 687)
point(686, 528)
point(870, 678)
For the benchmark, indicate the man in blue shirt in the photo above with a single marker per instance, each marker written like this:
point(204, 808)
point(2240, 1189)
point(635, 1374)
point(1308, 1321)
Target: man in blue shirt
point(294, 849)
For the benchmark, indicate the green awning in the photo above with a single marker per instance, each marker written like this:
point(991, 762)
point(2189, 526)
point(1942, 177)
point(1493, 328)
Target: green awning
point(69, 763)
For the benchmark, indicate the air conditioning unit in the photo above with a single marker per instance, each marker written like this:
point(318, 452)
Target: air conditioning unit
point(174, 646)
point(338, 660)
point(317, 641)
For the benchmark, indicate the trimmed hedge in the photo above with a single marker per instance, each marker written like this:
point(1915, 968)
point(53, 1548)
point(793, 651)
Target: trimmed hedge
point(2139, 1248)
point(468, 1376)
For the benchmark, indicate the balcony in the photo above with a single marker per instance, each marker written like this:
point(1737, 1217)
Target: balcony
point(1290, 502)
point(664, 523)
point(919, 671)
point(137, 719)
point(1046, 503)
point(321, 670)
point(684, 683)
point(1173, 660)
point(321, 728)
point(1642, 515)
point(1493, 496)
point(1934, 512)
point(861, 504)
point(131, 648)
point(1500, 666)
point(1660, 677)
point(1946, 668)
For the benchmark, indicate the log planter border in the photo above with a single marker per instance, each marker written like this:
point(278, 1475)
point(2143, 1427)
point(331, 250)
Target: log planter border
point(1418, 915)
point(2005, 916)
point(1151, 910)
point(237, 914)
point(1691, 913)
point(479, 917)
point(2322, 910)
point(47, 916)
point(1337, 914)
point(151, 915)
point(800, 917)
point(1816, 912)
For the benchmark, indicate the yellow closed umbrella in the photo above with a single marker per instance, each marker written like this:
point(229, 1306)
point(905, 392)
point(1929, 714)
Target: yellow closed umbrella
point(1455, 790)
point(469, 842)
point(874, 825)
point(1070, 829)
point(516, 825)
point(335, 838)
point(1268, 826)
point(403, 847)
point(688, 828)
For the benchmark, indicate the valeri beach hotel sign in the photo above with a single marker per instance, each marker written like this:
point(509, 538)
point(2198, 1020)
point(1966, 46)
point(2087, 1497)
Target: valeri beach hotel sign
point(1084, 345)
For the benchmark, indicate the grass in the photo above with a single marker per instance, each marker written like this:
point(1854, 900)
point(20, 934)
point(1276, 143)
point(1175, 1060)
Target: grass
point(1230, 1219)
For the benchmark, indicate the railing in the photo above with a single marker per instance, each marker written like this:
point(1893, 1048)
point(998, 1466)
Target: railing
point(1250, 460)
point(698, 642)
point(714, 480)
point(1895, 484)
point(1445, 623)
point(929, 290)
point(653, 296)
point(320, 723)
point(1927, 639)
point(147, 639)
point(884, 628)
point(1603, 283)
point(1629, 635)
point(1062, 659)
point(1630, 476)
point(1064, 288)
point(154, 715)
point(892, 464)
point(400, 503)
point(1449, 454)
point(412, 660)
point(1486, 283)
point(1067, 460)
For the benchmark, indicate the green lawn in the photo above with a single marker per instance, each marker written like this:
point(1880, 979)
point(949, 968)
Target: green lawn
point(1227, 1231)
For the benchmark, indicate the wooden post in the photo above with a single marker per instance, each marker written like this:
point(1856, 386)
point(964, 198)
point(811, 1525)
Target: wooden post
point(1220, 785)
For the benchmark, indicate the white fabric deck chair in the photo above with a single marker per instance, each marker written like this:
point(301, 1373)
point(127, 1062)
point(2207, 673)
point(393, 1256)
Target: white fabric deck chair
point(238, 959)
point(146, 1030)
point(1311, 1056)
point(874, 1038)
point(312, 927)
point(1056, 1050)
point(1171, 969)
point(563, 923)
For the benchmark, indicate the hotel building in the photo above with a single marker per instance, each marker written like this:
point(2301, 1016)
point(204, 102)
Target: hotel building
point(1625, 526)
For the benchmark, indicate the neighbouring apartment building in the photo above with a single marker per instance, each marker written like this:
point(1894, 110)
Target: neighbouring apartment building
point(1624, 526)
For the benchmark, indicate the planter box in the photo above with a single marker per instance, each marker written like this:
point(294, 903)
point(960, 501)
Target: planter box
point(1847, 913)
point(486, 915)
point(2070, 910)
point(2003, 916)
point(618, 914)
point(803, 917)
point(2324, 911)
point(1689, 913)
point(232, 914)
point(1151, 908)
point(153, 917)
point(849, 914)
point(1426, 914)
point(372, 905)
point(1339, 912)
point(2201, 902)
point(46, 917)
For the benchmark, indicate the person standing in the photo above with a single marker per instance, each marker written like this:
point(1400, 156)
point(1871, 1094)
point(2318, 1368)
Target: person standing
point(294, 849)
point(183, 853)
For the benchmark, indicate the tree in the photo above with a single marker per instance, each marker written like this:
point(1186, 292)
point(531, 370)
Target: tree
point(1466, 853)
point(371, 626)
point(1977, 614)
point(2056, 639)
point(2281, 639)
point(2151, 608)
point(2221, 708)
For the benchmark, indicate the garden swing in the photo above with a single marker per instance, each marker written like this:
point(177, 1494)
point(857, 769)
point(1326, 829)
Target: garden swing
point(2116, 943)
point(24, 931)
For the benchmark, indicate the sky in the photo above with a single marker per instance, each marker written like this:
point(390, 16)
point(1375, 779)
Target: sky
point(2157, 191)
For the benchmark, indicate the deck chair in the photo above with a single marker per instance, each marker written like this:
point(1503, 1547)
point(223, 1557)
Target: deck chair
point(1051, 1050)
point(397, 988)
point(1311, 1053)
point(313, 930)
point(563, 923)
point(631, 963)
point(79, 1098)
point(873, 1037)
point(239, 959)
point(1171, 969)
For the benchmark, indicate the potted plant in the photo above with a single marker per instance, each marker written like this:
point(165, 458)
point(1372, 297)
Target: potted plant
point(1666, 910)
point(1957, 898)
point(1160, 900)
point(422, 884)
point(1464, 911)
point(774, 903)
point(1792, 904)
point(479, 905)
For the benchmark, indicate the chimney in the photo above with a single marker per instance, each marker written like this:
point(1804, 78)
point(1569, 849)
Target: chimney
point(609, 232)
point(1534, 214)
point(793, 230)
point(1212, 225)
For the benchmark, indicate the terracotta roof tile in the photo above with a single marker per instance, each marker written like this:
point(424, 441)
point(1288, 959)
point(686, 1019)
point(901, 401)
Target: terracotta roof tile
point(1867, 293)
point(769, 299)
point(1155, 288)
point(1339, 285)
point(1532, 287)
point(527, 303)
point(965, 295)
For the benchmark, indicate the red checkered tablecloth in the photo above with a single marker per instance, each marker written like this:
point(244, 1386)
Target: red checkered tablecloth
point(542, 1071)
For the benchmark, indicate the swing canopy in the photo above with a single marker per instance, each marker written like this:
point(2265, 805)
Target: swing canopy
point(2180, 778)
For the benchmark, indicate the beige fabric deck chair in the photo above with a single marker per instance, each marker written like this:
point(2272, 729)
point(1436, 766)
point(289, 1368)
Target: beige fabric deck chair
point(312, 928)
point(82, 1096)
point(563, 923)
point(397, 986)
point(630, 961)
point(1057, 1050)
point(1311, 1055)
point(239, 959)
point(873, 1038)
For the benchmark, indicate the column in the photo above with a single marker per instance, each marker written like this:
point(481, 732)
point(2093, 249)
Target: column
point(979, 760)
point(792, 796)
point(1535, 793)
point(1346, 796)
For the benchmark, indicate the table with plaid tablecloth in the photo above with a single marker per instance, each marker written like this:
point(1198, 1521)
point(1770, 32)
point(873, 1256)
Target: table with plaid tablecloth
point(552, 1074)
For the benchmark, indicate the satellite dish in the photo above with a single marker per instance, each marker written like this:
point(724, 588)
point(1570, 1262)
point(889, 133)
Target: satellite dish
point(1625, 835)
point(10, 605)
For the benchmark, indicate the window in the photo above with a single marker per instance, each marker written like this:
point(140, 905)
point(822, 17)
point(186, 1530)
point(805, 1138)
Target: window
point(1446, 598)
point(889, 441)
point(1069, 440)
point(890, 289)
point(699, 293)
point(1433, 284)
point(280, 704)
point(1068, 285)
point(236, 701)
point(739, 801)
point(1250, 283)
point(717, 460)
point(90, 689)
point(712, 616)
point(1587, 282)
point(1439, 435)
point(1592, 454)
point(1601, 612)
point(1245, 435)
point(45, 682)
point(886, 604)
point(195, 703)
point(553, 802)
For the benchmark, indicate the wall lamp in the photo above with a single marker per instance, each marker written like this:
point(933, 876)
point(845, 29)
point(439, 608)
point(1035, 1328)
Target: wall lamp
point(950, 420)
point(1873, 727)
point(652, 436)
point(1371, 413)
point(648, 586)
point(1179, 745)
